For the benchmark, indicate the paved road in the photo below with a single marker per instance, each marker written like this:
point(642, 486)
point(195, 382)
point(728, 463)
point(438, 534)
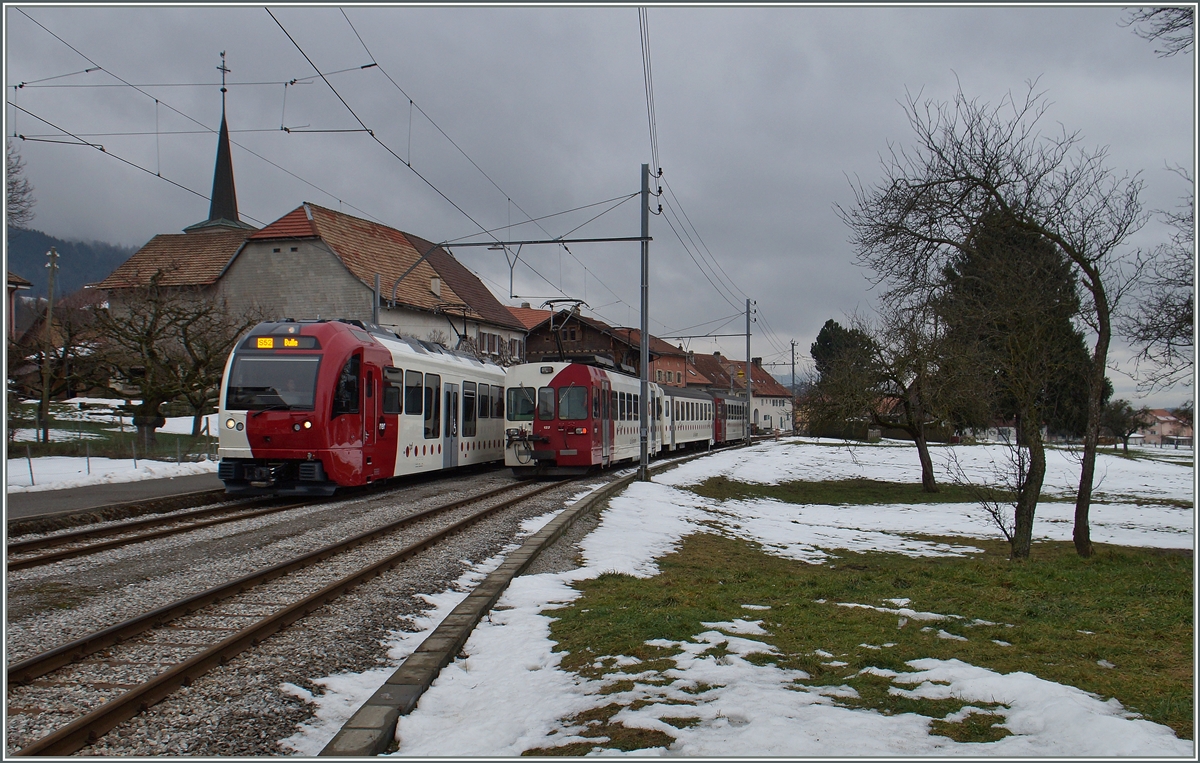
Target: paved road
point(48, 502)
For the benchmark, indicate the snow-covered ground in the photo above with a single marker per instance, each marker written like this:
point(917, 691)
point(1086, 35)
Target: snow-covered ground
point(508, 693)
point(61, 472)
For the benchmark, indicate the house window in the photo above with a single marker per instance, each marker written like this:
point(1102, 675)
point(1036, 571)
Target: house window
point(678, 376)
point(658, 373)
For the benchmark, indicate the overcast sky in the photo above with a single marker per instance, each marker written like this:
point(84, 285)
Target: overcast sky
point(763, 116)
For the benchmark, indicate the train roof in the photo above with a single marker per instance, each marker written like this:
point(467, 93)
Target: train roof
point(389, 338)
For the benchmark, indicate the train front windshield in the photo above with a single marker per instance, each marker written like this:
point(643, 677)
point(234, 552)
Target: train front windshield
point(520, 404)
point(258, 382)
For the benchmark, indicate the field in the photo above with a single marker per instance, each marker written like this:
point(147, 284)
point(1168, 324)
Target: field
point(801, 598)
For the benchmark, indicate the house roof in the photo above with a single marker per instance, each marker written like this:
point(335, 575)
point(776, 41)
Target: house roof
point(529, 317)
point(17, 281)
point(195, 258)
point(657, 346)
point(368, 248)
point(721, 369)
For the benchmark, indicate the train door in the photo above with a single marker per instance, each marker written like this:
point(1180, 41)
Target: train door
point(346, 427)
point(606, 422)
point(370, 411)
point(450, 433)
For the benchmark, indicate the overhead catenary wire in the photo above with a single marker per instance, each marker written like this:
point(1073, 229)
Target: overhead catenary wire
point(106, 152)
point(192, 119)
point(529, 218)
point(408, 164)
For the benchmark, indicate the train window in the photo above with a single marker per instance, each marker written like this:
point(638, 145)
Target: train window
point(614, 412)
point(637, 408)
point(412, 393)
point(596, 406)
point(433, 406)
point(345, 396)
point(497, 402)
point(545, 405)
point(391, 398)
point(468, 408)
point(622, 407)
point(572, 403)
point(520, 404)
point(485, 402)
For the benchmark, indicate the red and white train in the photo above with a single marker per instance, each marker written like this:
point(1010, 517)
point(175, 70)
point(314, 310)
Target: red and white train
point(308, 406)
point(567, 418)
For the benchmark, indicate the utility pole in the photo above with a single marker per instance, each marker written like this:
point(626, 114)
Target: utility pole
point(644, 464)
point(749, 375)
point(792, 413)
point(47, 340)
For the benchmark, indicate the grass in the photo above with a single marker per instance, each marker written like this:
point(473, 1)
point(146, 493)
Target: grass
point(839, 492)
point(1129, 607)
point(865, 492)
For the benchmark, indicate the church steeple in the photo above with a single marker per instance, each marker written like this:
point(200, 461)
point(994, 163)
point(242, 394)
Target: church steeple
point(222, 211)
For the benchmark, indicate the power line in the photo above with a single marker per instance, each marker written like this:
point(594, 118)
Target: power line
point(648, 75)
point(508, 198)
point(194, 120)
point(101, 149)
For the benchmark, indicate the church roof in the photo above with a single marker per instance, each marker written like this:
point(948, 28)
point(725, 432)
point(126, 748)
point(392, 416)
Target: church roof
point(195, 258)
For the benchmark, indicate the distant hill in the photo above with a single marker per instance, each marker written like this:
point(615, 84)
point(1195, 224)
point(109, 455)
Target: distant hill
point(79, 262)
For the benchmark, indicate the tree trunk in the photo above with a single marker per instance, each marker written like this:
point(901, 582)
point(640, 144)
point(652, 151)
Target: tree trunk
point(147, 419)
point(1082, 534)
point(928, 484)
point(197, 419)
point(1028, 491)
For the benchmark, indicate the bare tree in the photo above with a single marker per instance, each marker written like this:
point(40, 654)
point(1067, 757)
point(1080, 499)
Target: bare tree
point(1161, 326)
point(208, 332)
point(68, 359)
point(167, 343)
point(18, 193)
point(1172, 27)
point(972, 158)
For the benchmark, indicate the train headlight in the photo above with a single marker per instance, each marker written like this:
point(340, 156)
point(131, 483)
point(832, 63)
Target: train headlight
point(296, 427)
point(229, 423)
point(240, 426)
point(308, 425)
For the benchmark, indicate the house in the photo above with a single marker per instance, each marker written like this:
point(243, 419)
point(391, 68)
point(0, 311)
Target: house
point(772, 402)
point(568, 335)
point(318, 263)
point(315, 262)
point(1165, 430)
point(195, 259)
point(15, 283)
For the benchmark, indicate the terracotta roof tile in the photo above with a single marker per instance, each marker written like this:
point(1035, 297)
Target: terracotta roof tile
point(196, 258)
point(466, 285)
point(657, 346)
point(530, 317)
point(295, 224)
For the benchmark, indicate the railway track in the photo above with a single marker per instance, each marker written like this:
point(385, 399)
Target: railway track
point(23, 554)
point(118, 672)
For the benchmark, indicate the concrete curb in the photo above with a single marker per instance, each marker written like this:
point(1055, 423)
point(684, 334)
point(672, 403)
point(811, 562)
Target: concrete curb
point(373, 727)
